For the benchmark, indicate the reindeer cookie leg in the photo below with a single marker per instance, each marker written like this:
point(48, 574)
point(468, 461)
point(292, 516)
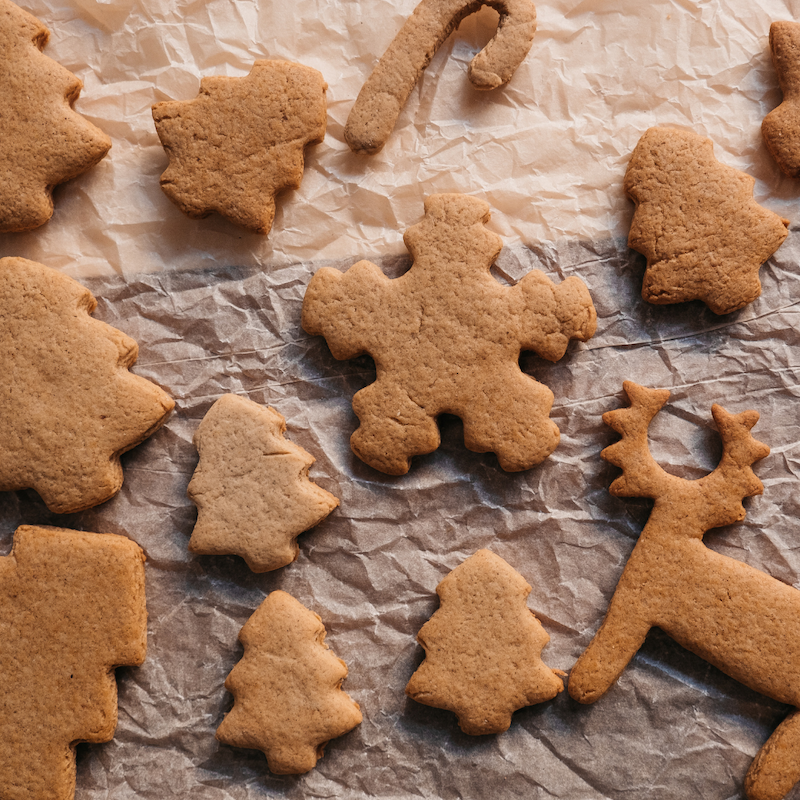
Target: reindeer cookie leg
point(620, 636)
point(777, 766)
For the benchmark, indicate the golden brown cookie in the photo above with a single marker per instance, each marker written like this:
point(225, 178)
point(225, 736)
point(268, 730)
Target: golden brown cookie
point(287, 688)
point(383, 96)
point(70, 405)
point(781, 127)
point(737, 618)
point(241, 140)
point(251, 486)
point(72, 607)
point(43, 142)
point(704, 236)
point(446, 338)
point(483, 648)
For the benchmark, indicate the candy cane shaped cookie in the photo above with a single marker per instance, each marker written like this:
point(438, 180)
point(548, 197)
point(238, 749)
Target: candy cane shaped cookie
point(375, 112)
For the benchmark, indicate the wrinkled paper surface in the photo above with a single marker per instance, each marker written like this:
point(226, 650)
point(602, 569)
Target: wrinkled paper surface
point(216, 309)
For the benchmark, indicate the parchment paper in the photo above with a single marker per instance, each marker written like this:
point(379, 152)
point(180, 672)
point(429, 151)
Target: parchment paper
point(217, 310)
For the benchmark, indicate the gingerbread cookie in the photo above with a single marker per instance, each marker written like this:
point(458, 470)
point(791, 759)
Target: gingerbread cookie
point(483, 648)
point(383, 96)
point(72, 607)
point(251, 486)
point(704, 236)
point(287, 688)
point(446, 338)
point(43, 142)
point(781, 127)
point(241, 140)
point(737, 618)
point(70, 405)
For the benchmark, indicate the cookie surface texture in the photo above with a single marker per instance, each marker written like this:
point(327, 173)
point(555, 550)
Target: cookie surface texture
point(72, 607)
point(70, 405)
point(287, 688)
point(781, 127)
point(43, 141)
point(483, 648)
point(697, 223)
point(251, 486)
point(383, 96)
point(737, 618)
point(446, 338)
point(241, 141)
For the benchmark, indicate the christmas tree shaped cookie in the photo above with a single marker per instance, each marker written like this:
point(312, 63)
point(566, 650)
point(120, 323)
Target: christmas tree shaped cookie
point(696, 221)
point(72, 607)
point(70, 404)
point(251, 486)
point(287, 688)
point(446, 338)
point(483, 648)
point(241, 140)
point(43, 142)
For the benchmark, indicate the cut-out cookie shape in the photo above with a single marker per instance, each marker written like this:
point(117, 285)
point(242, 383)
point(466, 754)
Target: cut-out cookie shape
point(781, 127)
point(241, 141)
point(72, 608)
point(738, 618)
point(704, 236)
point(483, 648)
point(287, 688)
point(70, 405)
point(43, 142)
point(251, 486)
point(383, 96)
point(446, 338)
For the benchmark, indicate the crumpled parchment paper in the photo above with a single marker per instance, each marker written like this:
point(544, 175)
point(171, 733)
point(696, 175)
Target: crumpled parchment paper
point(216, 309)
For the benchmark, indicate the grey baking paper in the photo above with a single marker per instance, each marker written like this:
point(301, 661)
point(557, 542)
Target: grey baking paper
point(216, 309)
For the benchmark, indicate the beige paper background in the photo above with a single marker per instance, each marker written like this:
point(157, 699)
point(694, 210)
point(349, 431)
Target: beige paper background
point(216, 309)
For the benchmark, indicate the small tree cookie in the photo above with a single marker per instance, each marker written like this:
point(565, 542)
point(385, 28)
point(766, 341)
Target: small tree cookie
point(43, 142)
point(241, 140)
point(287, 688)
point(251, 486)
point(781, 127)
point(72, 607)
point(70, 404)
point(483, 648)
point(737, 618)
point(446, 338)
point(704, 236)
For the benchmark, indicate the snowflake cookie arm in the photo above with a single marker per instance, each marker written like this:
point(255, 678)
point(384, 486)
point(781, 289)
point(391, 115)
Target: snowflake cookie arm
point(347, 308)
point(551, 315)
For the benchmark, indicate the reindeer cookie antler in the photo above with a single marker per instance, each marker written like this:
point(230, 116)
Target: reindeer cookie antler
point(383, 96)
point(736, 617)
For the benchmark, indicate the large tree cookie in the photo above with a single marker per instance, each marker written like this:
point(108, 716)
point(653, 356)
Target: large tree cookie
point(287, 688)
point(483, 648)
point(383, 96)
point(70, 405)
point(704, 236)
point(738, 618)
point(72, 607)
point(43, 142)
point(251, 486)
point(446, 338)
point(781, 127)
point(241, 140)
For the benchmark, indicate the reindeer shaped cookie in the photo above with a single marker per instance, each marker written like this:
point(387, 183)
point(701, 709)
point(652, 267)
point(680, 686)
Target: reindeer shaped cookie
point(736, 617)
